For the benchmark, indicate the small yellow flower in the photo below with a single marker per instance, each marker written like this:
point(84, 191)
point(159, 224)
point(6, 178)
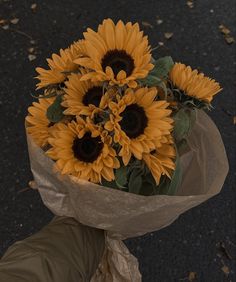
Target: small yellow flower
point(83, 97)
point(60, 65)
point(161, 161)
point(194, 84)
point(140, 124)
point(117, 53)
point(83, 150)
point(39, 127)
point(78, 48)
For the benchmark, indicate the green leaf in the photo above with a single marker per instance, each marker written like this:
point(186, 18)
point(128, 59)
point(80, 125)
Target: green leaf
point(148, 185)
point(142, 182)
point(160, 71)
point(121, 176)
point(176, 178)
point(163, 186)
point(169, 186)
point(110, 184)
point(183, 147)
point(193, 116)
point(184, 121)
point(151, 80)
point(135, 181)
point(55, 111)
point(162, 67)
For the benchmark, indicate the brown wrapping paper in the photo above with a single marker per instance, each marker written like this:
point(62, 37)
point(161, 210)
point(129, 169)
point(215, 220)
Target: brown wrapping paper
point(125, 215)
point(117, 264)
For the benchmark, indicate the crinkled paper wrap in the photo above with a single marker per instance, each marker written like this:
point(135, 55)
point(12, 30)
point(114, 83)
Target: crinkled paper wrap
point(124, 215)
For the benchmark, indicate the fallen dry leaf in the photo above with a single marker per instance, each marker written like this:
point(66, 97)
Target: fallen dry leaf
point(31, 49)
point(159, 20)
point(224, 29)
point(23, 190)
point(2, 21)
point(14, 21)
point(225, 269)
point(226, 32)
point(190, 4)
point(31, 57)
point(32, 185)
point(223, 250)
point(192, 276)
point(33, 7)
point(168, 35)
point(234, 119)
point(147, 24)
point(229, 39)
point(5, 26)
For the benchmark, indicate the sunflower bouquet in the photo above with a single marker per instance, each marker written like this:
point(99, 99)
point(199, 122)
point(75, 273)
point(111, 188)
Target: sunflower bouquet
point(110, 118)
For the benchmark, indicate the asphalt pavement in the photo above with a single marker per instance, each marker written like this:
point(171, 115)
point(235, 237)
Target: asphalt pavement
point(201, 244)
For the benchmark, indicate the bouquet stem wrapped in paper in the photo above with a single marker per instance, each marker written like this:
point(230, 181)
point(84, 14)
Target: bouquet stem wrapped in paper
point(204, 167)
point(120, 142)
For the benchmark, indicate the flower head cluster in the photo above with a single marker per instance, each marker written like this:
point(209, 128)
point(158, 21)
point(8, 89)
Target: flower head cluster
point(105, 105)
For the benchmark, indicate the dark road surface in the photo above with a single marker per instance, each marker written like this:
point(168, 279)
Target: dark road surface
point(202, 242)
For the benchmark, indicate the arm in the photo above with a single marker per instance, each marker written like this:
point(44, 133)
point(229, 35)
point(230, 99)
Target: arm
point(63, 251)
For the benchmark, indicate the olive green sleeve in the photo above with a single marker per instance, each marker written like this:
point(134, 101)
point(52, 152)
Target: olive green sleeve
point(63, 251)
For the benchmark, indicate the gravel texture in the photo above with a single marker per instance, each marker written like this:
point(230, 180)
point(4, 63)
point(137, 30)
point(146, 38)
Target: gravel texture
point(189, 249)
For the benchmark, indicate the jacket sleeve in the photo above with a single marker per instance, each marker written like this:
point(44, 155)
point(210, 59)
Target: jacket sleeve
point(63, 251)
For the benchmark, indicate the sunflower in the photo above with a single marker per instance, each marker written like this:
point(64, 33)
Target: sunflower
point(194, 84)
point(117, 53)
point(59, 65)
point(78, 48)
point(82, 150)
point(140, 124)
point(82, 97)
point(39, 127)
point(161, 161)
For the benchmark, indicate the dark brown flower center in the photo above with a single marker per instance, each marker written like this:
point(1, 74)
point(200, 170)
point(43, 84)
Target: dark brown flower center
point(134, 121)
point(93, 96)
point(118, 60)
point(87, 149)
point(51, 124)
point(61, 85)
